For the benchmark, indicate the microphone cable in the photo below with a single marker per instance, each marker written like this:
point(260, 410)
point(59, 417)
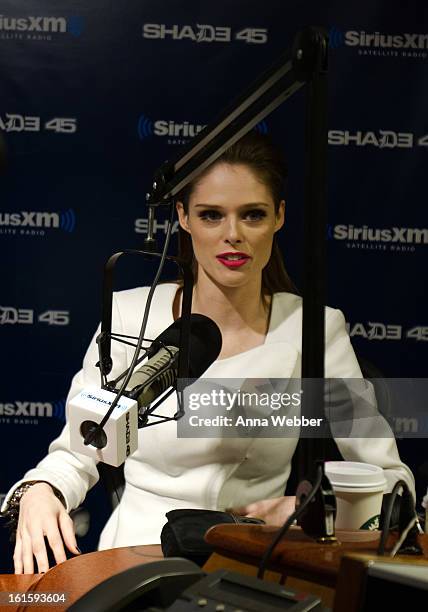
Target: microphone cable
point(406, 506)
point(280, 534)
point(96, 430)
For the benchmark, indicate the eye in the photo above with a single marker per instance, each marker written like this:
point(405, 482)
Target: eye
point(209, 215)
point(255, 214)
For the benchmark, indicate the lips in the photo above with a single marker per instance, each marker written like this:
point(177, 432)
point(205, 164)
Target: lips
point(233, 259)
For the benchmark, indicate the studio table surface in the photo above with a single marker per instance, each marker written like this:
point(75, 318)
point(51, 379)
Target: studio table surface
point(78, 575)
point(296, 556)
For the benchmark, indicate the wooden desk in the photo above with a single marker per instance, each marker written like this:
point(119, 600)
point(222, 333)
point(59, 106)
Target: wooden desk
point(310, 567)
point(298, 555)
point(78, 575)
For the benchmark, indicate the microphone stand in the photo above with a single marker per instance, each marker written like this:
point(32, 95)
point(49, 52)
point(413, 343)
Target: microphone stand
point(105, 362)
point(305, 64)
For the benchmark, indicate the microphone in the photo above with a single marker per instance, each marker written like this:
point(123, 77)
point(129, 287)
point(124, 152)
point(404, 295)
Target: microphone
point(160, 371)
point(119, 437)
point(155, 377)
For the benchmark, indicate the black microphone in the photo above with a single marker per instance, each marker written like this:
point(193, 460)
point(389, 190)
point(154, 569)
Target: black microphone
point(160, 371)
point(119, 436)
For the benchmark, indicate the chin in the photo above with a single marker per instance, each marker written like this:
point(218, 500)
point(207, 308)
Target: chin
point(231, 278)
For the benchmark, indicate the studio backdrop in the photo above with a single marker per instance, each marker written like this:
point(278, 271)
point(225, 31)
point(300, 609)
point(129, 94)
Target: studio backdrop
point(94, 96)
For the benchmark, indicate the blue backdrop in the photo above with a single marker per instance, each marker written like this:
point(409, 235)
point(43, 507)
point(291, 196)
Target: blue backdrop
point(94, 98)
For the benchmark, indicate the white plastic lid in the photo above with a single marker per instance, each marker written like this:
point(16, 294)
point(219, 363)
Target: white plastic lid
point(355, 476)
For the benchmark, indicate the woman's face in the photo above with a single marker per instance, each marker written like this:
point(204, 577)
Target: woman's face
point(232, 221)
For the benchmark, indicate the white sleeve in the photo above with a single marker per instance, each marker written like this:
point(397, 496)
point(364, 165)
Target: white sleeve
point(70, 472)
point(341, 362)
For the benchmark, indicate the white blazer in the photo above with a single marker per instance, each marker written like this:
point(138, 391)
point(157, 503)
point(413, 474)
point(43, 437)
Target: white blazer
point(167, 472)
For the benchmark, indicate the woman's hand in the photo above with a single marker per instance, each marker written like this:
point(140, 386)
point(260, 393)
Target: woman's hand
point(273, 511)
point(42, 514)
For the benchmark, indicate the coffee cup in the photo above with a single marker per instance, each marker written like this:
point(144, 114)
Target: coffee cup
point(358, 488)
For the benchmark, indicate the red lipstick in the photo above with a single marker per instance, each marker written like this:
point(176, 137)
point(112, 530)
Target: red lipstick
point(233, 259)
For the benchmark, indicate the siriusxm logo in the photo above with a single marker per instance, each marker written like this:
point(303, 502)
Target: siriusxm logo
point(54, 410)
point(65, 220)
point(335, 38)
point(147, 128)
point(162, 127)
point(353, 38)
point(101, 400)
point(396, 235)
point(380, 44)
point(403, 425)
point(127, 434)
point(42, 25)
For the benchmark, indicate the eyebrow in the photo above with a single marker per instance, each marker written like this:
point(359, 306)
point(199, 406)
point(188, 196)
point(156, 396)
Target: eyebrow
point(249, 205)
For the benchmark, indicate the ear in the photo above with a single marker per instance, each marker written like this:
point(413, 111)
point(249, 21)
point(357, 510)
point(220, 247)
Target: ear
point(182, 217)
point(280, 217)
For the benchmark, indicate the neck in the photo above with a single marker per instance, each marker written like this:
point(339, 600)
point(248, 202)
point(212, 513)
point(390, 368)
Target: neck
point(232, 308)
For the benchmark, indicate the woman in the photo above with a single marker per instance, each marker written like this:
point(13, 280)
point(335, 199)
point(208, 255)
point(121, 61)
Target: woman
point(228, 219)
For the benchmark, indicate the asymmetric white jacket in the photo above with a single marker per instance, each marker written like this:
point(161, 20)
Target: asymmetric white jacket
point(167, 472)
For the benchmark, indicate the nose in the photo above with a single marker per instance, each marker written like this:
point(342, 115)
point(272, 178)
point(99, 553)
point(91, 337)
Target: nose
point(233, 234)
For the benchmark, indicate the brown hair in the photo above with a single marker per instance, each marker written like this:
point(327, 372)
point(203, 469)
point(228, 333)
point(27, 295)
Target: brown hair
point(259, 154)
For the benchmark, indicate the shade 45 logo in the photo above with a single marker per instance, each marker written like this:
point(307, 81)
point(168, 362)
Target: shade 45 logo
point(382, 139)
point(12, 122)
point(141, 226)
point(382, 331)
point(205, 33)
point(27, 316)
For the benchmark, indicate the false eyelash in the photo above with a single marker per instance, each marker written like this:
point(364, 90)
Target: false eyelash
point(260, 213)
point(205, 214)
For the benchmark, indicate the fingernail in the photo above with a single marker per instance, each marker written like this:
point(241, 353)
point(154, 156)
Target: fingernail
point(77, 548)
